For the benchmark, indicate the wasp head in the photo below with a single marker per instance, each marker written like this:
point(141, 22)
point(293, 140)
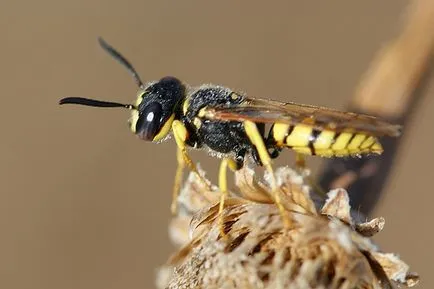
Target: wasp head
point(157, 102)
point(155, 108)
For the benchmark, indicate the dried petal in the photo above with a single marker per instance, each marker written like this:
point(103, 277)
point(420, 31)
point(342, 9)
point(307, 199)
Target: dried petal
point(338, 205)
point(260, 252)
point(396, 269)
point(371, 228)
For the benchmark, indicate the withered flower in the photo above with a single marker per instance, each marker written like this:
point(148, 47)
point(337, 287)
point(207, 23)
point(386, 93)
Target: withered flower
point(323, 247)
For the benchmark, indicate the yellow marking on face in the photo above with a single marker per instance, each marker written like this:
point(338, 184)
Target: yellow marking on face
point(300, 135)
point(139, 98)
point(367, 142)
point(324, 140)
point(133, 120)
point(303, 150)
point(356, 141)
point(197, 122)
point(342, 141)
point(165, 129)
point(280, 130)
point(135, 113)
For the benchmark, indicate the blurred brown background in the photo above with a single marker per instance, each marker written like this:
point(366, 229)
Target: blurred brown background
point(84, 204)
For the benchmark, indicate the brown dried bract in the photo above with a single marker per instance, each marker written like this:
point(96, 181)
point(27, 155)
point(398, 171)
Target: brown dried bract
point(324, 249)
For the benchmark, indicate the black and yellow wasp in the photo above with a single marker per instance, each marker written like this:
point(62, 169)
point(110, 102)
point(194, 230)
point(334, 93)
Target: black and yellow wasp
point(232, 125)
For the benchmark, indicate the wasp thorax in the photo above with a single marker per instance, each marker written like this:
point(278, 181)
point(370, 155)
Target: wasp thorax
point(156, 111)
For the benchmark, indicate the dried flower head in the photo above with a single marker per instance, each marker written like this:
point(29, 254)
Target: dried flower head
point(323, 248)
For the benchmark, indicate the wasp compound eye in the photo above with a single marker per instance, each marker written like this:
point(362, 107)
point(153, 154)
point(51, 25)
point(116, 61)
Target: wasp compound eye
point(150, 121)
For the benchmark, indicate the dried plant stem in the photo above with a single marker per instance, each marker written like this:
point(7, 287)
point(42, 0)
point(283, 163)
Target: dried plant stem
point(390, 89)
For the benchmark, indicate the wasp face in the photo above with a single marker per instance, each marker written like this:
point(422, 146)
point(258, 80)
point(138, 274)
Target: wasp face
point(156, 109)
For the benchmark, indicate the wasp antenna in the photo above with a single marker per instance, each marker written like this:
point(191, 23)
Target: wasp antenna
point(93, 102)
point(122, 60)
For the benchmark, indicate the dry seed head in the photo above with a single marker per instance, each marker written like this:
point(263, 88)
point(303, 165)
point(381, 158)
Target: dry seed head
point(324, 249)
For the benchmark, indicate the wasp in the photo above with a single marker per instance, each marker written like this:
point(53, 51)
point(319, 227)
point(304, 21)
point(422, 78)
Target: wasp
point(232, 126)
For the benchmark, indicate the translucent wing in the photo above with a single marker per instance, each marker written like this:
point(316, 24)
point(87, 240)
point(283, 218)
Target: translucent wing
point(270, 111)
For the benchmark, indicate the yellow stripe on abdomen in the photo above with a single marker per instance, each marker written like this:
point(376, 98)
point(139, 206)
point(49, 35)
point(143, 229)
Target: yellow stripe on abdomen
point(341, 141)
point(324, 140)
point(280, 131)
point(367, 142)
point(305, 139)
point(299, 136)
point(356, 141)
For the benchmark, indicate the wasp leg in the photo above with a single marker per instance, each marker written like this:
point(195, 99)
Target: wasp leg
point(316, 186)
point(273, 154)
point(257, 140)
point(300, 161)
point(256, 158)
point(178, 181)
point(300, 164)
point(223, 185)
point(181, 135)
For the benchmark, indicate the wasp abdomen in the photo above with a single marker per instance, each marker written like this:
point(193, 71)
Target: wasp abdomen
point(306, 139)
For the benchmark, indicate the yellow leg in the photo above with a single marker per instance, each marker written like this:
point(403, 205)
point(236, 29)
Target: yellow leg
point(181, 134)
point(316, 186)
point(257, 140)
point(223, 185)
point(178, 181)
point(300, 161)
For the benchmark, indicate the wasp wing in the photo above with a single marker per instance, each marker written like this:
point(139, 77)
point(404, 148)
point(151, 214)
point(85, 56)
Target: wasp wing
point(271, 111)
